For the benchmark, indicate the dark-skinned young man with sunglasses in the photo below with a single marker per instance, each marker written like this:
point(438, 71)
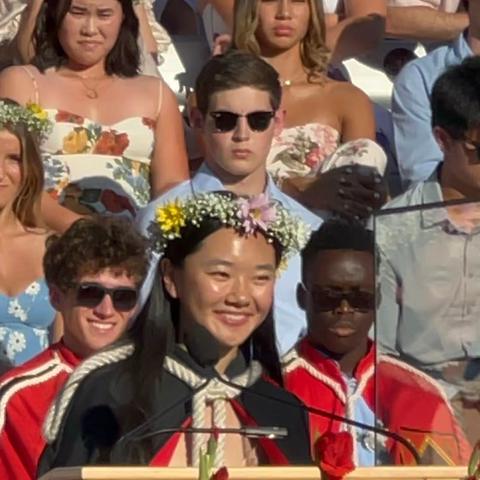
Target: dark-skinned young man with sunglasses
point(335, 367)
point(94, 272)
point(238, 113)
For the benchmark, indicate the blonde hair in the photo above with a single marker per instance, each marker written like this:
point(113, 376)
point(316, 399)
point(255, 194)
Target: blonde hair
point(26, 204)
point(314, 53)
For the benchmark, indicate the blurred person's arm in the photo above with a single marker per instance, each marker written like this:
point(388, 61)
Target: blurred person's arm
point(424, 23)
point(223, 7)
point(388, 309)
point(169, 164)
point(358, 120)
point(145, 30)
point(57, 217)
point(23, 39)
point(361, 30)
point(418, 154)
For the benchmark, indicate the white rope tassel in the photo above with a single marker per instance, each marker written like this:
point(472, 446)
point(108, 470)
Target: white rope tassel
point(215, 393)
point(220, 419)
point(198, 420)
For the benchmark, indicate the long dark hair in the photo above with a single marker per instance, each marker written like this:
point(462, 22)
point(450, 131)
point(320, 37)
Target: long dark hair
point(122, 60)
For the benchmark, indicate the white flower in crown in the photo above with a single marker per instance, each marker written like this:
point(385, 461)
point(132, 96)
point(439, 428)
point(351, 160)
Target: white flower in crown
point(245, 215)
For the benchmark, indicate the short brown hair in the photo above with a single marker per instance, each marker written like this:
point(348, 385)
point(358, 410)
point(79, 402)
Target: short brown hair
point(26, 204)
point(93, 244)
point(236, 69)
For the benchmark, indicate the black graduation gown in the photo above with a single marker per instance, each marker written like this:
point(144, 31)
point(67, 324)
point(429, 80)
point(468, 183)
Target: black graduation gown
point(95, 419)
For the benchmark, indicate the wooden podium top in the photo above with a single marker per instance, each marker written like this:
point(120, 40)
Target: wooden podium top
point(250, 473)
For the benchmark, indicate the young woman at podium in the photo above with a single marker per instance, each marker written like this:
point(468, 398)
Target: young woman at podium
point(201, 358)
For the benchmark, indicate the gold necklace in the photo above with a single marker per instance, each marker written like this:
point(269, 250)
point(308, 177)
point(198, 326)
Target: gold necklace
point(91, 92)
point(288, 82)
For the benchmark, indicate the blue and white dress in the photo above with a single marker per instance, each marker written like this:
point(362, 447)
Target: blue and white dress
point(26, 321)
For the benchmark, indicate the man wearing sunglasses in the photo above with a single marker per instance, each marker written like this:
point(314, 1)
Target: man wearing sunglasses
point(238, 113)
point(94, 272)
point(333, 368)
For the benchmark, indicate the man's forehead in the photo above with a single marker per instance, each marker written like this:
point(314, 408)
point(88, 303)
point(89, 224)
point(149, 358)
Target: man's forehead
point(105, 274)
point(340, 263)
point(240, 100)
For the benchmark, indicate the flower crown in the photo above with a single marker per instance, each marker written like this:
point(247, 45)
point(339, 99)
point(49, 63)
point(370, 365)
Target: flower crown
point(245, 215)
point(32, 116)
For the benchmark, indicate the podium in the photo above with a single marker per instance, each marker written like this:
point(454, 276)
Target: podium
point(254, 473)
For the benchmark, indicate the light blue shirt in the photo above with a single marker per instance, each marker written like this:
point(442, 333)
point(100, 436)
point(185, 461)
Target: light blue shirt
point(418, 154)
point(430, 282)
point(289, 318)
point(362, 413)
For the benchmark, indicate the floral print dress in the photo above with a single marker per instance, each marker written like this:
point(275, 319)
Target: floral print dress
point(300, 151)
point(25, 323)
point(94, 168)
point(313, 148)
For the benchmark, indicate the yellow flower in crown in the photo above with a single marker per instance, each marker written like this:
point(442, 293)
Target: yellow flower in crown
point(171, 218)
point(37, 111)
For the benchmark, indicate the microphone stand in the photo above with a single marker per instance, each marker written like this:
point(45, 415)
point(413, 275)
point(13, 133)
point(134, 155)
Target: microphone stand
point(332, 416)
point(250, 432)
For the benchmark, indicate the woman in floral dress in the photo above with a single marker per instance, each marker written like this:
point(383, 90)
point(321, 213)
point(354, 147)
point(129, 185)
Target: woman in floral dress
point(321, 113)
point(26, 316)
point(117, 139)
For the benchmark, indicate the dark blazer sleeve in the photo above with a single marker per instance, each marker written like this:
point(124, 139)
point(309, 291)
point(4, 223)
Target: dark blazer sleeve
point(89, 428)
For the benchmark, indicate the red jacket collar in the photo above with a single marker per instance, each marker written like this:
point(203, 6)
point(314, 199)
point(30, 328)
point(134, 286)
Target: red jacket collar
point(67, 355)
point(324, 363)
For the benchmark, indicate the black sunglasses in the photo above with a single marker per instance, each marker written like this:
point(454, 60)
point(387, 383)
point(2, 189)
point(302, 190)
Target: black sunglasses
point(327, 300)
point(227, 121)
point(91, 294)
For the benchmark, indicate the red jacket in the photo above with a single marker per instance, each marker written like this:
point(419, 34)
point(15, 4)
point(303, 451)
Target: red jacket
point(409, 403)
point(26, 393)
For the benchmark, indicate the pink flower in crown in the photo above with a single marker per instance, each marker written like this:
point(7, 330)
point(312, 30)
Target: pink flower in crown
point(256, 212)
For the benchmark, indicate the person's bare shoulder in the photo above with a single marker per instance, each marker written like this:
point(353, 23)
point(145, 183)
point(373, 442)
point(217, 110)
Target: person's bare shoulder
point(146, 81)
point(347, 93)
point(17, 84)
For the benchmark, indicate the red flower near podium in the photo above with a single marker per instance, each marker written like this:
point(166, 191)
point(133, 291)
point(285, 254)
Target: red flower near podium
point(220, 474)
point(333, 453)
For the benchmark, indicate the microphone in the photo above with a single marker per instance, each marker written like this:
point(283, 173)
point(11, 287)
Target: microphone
point(200, 337)
point(250, 432)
